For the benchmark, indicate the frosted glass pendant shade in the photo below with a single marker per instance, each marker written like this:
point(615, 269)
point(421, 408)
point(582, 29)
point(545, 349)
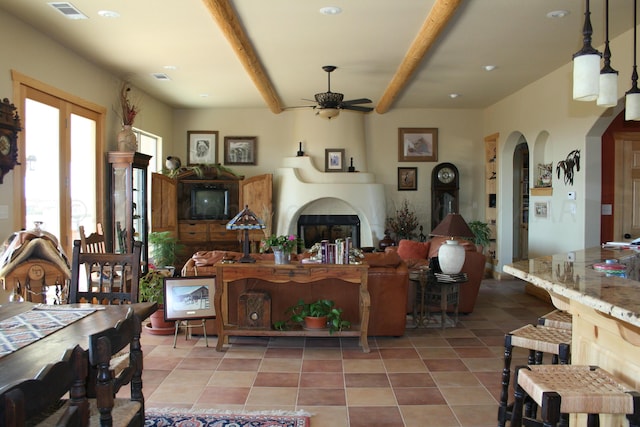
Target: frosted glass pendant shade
point(586, 77)
point(608, 95)
point(451, 257)
point(632, 106)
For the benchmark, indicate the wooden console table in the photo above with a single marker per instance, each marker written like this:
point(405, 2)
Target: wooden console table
point(298, 273)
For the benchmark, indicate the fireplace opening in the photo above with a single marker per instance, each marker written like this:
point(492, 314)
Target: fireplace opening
point(315, 228)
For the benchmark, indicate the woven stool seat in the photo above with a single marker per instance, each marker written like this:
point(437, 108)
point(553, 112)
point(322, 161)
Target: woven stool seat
point(557, 319)
point(571, 389)
point(538, 340)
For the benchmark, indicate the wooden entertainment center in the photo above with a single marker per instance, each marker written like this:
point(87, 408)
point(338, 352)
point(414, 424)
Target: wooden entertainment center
point(172, 207)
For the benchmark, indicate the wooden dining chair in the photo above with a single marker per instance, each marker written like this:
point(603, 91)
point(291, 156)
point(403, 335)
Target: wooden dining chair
point(94, 242)
point(105, 381)
point(104, 278)
point(61, 386)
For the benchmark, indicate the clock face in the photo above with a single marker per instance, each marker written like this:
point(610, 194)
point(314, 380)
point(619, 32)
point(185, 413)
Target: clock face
point(446, 175)
point(5, 145)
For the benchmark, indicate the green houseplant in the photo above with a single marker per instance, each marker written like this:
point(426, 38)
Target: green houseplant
point(481, 232)
point(151, 289)
point(165, 248)
point(304, 313)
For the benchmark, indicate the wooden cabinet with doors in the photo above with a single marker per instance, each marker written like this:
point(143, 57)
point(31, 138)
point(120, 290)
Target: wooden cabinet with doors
point(129, 215)
point(173, 208)
point(491, 199)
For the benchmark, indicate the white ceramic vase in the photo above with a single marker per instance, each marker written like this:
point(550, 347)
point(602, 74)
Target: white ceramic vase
point(127, 140)
point(451, 257)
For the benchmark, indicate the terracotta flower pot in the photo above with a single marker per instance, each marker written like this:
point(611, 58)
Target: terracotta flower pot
point(315, 322)
point(158, 325)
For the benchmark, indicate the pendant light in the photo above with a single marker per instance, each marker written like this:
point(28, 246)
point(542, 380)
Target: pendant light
point(632, 97)
point(586, 65)
point(608, 95)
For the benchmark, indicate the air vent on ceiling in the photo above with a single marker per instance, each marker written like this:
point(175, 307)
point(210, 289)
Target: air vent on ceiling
point(68, 10)
point(160, 76)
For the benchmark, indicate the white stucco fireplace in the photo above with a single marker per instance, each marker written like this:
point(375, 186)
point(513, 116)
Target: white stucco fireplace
point(301, 189)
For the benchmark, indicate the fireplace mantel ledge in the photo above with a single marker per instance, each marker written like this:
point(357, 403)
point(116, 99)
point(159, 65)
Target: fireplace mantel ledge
point(306, 172)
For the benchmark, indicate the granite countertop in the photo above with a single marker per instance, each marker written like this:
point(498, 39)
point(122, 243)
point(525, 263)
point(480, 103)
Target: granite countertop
point(572, 276)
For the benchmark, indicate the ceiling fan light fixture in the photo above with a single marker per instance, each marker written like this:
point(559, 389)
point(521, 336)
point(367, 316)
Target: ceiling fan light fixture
point(328, 113)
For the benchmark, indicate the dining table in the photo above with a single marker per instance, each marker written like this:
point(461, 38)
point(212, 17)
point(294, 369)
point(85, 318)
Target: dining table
point(25, 362)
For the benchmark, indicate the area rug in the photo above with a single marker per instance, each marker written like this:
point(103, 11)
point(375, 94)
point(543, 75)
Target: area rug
point(213, 418)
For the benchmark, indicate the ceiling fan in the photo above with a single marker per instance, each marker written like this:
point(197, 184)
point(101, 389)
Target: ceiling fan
point(330, 103)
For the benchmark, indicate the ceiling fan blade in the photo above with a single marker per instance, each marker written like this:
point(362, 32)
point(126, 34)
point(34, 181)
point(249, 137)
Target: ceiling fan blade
point(357, 101)
point(356, 108)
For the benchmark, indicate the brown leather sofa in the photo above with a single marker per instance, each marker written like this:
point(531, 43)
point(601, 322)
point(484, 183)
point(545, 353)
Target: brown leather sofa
point(388, 284)
point(416, 254)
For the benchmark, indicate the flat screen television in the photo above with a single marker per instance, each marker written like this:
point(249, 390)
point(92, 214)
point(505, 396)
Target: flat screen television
point(209, 202)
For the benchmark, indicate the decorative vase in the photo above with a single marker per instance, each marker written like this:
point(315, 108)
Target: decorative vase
point(280, 256)
point(451, 257)
point(127, 140)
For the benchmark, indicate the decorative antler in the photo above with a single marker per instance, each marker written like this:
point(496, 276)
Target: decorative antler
point(572, 161)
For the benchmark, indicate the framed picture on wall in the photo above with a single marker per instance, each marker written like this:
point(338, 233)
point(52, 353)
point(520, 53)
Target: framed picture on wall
point(189, 298)
point(417, 144)
point(334, 160)
point(202, 147)
point(240, 150)
point(541, 209)
point(407, 179)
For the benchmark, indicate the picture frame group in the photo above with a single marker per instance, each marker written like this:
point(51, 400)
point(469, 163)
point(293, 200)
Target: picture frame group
point(202, 147)
point(417, 144)
point(188, 298)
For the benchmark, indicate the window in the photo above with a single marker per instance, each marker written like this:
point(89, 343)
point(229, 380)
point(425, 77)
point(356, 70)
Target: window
point(62, 165)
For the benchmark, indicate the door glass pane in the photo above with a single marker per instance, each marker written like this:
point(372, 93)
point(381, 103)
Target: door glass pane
point(83, 175)
point(42, 153)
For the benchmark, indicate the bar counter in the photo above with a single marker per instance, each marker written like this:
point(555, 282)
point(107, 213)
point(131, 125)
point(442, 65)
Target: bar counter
point(605, 308)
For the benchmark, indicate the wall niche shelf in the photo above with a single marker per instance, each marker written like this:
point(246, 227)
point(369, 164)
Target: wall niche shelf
point(541, 191)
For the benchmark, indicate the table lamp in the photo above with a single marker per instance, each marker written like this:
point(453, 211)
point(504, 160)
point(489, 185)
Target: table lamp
point(451, 255)
point(245, 220)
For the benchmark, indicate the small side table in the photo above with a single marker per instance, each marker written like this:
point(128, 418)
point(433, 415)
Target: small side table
point(437, 289)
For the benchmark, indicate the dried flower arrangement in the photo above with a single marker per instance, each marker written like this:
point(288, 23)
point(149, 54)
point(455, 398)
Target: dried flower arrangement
point(128, 109)
point(404, 222)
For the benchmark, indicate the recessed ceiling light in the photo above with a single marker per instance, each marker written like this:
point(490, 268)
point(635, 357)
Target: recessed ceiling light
point(557, 14)
point(454, 95)
point(204, 95)
point(330, 10)
point(108, 14)
point(160, 76)
point(170, 67)
point(489, 67)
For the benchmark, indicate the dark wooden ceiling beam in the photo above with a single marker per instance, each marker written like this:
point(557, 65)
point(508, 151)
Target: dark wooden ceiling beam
point(227, 20)
point(439, 16)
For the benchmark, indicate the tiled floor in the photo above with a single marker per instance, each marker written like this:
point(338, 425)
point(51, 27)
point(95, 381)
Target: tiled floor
point(427, 378)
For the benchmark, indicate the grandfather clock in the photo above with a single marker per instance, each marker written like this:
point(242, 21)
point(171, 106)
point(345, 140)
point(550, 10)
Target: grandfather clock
point(444, 192)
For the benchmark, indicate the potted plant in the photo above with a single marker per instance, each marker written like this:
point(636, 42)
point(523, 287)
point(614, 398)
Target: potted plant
point(403, 223)
point(319, 314)
point(165, 249)
point(151, 290)
point(482, 234)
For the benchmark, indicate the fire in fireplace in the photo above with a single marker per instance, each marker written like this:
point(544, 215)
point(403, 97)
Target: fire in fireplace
point(315, 228)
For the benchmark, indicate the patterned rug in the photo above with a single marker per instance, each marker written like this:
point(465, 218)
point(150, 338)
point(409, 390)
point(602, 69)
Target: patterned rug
point(212, 418)
point(23, 329)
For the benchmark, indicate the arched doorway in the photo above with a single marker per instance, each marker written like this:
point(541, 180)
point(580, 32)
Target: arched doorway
point(521, 201)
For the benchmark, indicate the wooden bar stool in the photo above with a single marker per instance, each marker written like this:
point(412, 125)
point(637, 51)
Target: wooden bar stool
point(538, 340)
point(556, 319)
point(560, 390)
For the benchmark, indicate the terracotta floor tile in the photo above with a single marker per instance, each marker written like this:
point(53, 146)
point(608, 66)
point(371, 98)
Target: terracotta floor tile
point(370, 396)
point(419, 396)
point(284, 353)
point(272, 396)
point(467, 396)
point(405, 365)
point(466, 352)
point(386, 416)
point(399, 353)
point(322, 366)
point(428, 416)
point(279, 379)
point(280, 365)
point(363, 365)
point(239, 365)
point(321, 397)
point(221, 395)
point(366, 380)
point(438, 365)
point(321, 380)
point(411, 380)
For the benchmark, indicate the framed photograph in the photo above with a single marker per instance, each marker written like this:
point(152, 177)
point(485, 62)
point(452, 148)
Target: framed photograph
point(334, 160)
point(407, 179)
point(240, 150)
point(202, 147)
point(417, 144)
point(541, 209)
point(189, 298)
